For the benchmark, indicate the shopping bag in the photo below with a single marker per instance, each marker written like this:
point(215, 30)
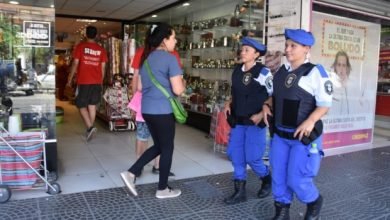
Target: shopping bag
point(178, 110)
point(222, 130)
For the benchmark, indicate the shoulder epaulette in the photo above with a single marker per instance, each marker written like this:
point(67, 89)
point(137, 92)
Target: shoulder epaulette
point(322, 70)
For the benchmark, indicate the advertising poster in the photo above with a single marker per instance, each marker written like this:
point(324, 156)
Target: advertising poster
point(349, 50)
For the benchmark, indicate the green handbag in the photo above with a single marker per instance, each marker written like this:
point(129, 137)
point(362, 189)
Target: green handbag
point(178, 110)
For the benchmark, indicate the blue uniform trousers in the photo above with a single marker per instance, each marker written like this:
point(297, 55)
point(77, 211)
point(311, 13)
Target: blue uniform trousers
point(247, 146)
point(294, 165)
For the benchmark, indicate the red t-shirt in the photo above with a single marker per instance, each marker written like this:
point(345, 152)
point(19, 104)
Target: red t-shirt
point(135, 64)
point(90, 56)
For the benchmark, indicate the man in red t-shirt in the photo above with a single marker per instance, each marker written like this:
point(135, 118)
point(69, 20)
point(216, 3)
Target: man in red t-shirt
point(89, 61)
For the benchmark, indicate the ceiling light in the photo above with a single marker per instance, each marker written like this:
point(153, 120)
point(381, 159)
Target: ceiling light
point(51, 6)
point(186, 4)
point(86, 20)
point(154, 16)
point(14, 2)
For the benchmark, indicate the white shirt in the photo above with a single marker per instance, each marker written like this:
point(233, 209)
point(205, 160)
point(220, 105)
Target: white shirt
point(317, 84)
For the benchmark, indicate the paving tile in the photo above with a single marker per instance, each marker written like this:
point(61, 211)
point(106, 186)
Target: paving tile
point(162, 208)
point(225, 212)
point(79, 214)
point(20, 209)
point(354, 187)
point(362, 209)
point(126, 211)
point(62, 203)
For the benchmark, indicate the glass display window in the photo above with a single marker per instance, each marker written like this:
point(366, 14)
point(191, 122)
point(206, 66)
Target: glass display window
point(27, 71)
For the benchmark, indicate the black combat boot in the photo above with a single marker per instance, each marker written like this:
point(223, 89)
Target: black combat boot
point(282, 211)
point(239, 194)
point(313, 209)
point(265, 189)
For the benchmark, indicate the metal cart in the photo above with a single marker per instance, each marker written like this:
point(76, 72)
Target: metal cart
point(118, 121)
point(23, 163)
point(118, 115)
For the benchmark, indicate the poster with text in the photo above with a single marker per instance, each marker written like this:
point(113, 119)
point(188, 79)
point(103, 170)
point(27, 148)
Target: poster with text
point(36, 33)
point(349, 50)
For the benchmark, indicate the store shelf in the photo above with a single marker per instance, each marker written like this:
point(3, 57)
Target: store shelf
point(202, 56)
point(253, 15)
point(199, 120)
point(225, 28)
point(202, 113)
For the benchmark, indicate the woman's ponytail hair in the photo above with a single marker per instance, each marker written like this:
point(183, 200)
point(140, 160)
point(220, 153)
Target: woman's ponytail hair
point(155, 35)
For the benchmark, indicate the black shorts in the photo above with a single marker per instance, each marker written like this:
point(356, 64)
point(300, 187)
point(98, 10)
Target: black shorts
point(88, 95)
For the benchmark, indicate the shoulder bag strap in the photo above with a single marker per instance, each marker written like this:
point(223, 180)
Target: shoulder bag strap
point(154, 80)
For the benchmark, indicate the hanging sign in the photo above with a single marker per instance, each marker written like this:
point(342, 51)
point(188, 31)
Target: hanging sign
point(36, 33)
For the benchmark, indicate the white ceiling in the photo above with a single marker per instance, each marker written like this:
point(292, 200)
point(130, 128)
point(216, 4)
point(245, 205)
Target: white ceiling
point(106, 9)
point(112, 9)
point(71, 26)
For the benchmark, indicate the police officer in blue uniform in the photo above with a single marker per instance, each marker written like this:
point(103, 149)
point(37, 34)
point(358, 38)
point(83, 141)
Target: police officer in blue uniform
point(251, 86)
point(302, 95)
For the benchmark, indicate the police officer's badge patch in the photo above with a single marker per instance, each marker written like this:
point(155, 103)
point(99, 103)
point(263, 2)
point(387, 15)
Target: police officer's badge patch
point(246, 79)
point(328, 87)
point(268, 82)
point(290, 80)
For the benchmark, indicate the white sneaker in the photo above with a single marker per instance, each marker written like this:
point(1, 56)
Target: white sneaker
point(129, 178)
point(168, 193)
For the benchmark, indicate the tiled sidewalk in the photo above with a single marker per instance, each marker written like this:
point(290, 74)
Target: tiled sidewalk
point(354, 186)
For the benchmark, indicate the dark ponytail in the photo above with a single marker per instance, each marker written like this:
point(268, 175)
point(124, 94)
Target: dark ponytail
point(155, 35)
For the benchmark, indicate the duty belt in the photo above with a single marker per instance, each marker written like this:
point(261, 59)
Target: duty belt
point(244, 120)
point(314, 134)
point(285, 134)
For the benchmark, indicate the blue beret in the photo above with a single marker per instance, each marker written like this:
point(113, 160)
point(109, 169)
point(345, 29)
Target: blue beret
point(300, 36)
point(253, 43)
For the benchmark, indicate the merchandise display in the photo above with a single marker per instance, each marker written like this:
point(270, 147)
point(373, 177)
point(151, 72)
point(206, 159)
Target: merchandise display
point(210, 52)
point(120, 54)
